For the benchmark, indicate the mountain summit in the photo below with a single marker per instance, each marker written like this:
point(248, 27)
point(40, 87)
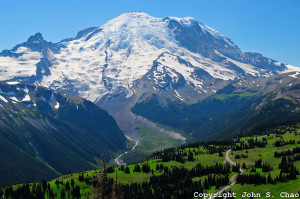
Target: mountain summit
point(110, 58)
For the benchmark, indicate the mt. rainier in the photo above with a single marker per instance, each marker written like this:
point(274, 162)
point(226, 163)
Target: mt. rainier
point(133, 57)
point(110, 58)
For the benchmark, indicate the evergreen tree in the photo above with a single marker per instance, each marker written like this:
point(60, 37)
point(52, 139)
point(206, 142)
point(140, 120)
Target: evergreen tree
point(81, 177)
point(72, 183)
point(269, 179)
point(57, 182)
point(244, 165)
point(63, 193)
point(191, 156)
point(44, 184)
point(137, 168)
point(157, 167)
point(146, 168)
point(127, 170)
point(76, 192)
point(67, 186)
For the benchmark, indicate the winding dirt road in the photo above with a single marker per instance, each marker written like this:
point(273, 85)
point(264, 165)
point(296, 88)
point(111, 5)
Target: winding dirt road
point(220, 191)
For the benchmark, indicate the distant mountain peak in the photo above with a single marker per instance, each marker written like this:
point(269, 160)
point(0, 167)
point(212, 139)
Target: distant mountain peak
point(38, 37)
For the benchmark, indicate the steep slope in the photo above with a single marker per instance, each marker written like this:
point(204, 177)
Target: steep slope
point(53, 133)
point(240, 106)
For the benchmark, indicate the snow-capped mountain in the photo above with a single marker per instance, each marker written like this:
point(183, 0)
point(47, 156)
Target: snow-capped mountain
point(134, 57)
point(111, 59)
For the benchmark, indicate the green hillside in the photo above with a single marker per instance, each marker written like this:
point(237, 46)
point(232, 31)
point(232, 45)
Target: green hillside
point(270, 162)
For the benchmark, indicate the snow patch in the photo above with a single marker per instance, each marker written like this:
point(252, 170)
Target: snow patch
point(57, 106)
point(295, 75)
point(13, 83)
point(14, 99)
point(22, 66)
point(26, 98)
point(179, 96)
point(3, 99)
point(291, 68)
point(246, 67)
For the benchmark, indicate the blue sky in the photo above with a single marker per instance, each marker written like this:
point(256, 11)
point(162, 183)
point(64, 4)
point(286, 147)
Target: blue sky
point(271, 27)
